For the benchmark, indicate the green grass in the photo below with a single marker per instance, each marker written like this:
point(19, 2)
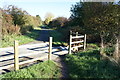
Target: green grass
point(91, 46)
point(58, 38)
point(8, 40)
point(88, 64)
point(41, 70)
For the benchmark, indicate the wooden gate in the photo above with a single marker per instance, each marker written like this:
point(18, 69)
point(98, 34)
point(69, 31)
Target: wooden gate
point(76, 41)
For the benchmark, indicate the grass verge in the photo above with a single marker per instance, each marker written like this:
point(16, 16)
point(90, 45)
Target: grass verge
point(8, 40)
point(88, 64)
point(41, 70)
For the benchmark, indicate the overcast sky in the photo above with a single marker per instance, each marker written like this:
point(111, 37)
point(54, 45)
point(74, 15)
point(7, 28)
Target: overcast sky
point(41, 7)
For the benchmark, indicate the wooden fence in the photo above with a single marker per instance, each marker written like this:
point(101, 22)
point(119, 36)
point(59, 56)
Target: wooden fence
point(16, 56)
point(76, 41)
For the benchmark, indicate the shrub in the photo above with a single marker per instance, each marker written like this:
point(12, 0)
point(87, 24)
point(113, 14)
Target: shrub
point(24, 29)
point(11, 30)
point(58, 22)
point(109, 50)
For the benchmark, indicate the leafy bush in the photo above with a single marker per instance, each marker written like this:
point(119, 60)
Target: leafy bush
point(24, 29)
point(58, 22)
point(16, 21)
point(58, 38)
point(109, 50)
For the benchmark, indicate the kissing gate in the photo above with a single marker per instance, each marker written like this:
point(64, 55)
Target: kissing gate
point(76, 41)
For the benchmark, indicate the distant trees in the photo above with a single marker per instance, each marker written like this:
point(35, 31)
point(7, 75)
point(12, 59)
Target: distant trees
point(17, 21)
point(39, 20)
point(19, 16)
point(58, 22)
point(8, 24)
point(48, 18)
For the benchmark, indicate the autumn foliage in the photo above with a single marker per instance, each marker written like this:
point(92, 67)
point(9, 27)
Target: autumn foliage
point(18, 21)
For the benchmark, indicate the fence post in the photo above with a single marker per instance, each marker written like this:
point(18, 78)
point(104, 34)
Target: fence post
point(0, 28)
point(50, 48)
point(76, 36)
point(76, 33)
point(84, 41)
point(16, 58)
point(70, 42)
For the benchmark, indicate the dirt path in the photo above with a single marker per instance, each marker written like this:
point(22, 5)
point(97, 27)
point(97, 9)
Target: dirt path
point(63, 66)
point(43, 37)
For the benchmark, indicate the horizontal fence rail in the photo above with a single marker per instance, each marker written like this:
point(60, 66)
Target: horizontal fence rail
point(77, 46)
point(15, 58)
point(21, 55)
point(80, 40)
point(77, 42)
point(73, 37)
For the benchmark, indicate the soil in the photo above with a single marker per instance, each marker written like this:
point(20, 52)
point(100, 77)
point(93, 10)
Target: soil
point(62, 65)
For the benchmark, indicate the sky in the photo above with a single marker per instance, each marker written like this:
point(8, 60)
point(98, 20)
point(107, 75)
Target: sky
point(41, 7)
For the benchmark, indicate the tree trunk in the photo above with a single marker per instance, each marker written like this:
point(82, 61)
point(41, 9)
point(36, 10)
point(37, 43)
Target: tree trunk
point(116, 54)
point(102, 45)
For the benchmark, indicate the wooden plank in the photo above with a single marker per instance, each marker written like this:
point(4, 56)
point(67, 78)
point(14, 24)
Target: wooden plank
point(50, 48)
point(77, 42)
point(85, 42)
point(77, 46)
point(77, 37)
point(70, 44)
point(16, 58)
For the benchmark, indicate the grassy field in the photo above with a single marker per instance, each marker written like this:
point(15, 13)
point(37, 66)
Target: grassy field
point(42, 70)
point(88, 64)
point(57, 38)
point(8, 40)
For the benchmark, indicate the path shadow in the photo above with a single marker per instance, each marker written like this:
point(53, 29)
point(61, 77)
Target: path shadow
point(42, 35)
point(38, 48)
point(9, 53)
point(21, 59)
